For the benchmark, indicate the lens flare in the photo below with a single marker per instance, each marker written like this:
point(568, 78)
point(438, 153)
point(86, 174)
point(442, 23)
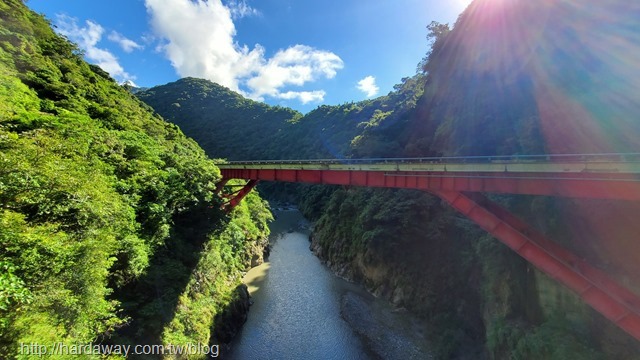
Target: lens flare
point(579, 60)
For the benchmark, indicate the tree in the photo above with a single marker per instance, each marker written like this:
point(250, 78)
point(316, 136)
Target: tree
point(436, 37)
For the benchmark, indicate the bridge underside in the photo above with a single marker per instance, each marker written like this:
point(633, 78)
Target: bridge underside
point(463, 192)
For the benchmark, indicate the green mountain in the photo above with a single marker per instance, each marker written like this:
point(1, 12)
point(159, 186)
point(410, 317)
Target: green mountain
point(229, 126)
point(109, 227)
point(223, 122)
point(512, 77)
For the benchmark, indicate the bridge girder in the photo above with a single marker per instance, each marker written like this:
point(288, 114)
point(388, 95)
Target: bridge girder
point(597, 289)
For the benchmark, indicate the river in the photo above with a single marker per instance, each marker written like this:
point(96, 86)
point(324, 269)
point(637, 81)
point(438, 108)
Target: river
point(301, 310)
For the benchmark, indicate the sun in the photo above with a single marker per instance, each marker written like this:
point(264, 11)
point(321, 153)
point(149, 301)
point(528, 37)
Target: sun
point(462, 4)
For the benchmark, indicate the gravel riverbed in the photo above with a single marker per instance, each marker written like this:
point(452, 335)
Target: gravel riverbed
point(382, 332)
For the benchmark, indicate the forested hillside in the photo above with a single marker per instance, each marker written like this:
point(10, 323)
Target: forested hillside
point(223, 122)
point(511, 77)
point(109, 228)
point(227, 125)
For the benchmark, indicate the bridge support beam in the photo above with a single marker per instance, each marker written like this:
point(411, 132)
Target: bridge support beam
point(220, 185)
point(235, 198)
point(597, 289)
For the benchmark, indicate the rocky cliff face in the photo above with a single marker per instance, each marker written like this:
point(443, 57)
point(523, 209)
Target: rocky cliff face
point(474, 292)
point(231, 319)
point(380, 279)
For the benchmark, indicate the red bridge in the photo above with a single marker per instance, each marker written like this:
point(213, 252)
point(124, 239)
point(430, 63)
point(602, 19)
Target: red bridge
point(460, 181)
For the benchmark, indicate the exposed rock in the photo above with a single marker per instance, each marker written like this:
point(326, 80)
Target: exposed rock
point(380, 337)
point(228, 322)
point(398, 296)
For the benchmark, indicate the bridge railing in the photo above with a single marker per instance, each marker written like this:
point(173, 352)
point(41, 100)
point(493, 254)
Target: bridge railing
point(565, 158)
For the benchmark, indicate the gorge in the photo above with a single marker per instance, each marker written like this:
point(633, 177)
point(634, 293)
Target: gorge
point(112, 233)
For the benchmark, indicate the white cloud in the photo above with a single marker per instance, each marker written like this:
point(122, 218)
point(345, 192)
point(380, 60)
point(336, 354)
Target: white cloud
point(304, 96)
point(368, 86)
point(130, 83)
point(126, 44)
point(296, 65)
point(240, 9)
point(199, 41)
point(87, 38)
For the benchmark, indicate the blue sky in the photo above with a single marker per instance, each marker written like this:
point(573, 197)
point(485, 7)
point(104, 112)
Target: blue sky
point(295, 53)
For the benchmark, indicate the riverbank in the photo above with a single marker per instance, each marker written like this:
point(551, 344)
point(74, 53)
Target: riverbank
point(386, 334)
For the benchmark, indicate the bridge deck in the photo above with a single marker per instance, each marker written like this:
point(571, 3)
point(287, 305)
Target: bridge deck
point(603, 176)
point(598, 167)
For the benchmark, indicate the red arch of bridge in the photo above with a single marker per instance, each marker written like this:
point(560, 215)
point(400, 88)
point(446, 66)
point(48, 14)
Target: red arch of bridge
point(460, 182)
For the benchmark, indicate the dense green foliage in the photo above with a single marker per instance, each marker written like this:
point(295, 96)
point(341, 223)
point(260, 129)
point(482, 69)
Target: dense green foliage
point(109, 229)
point(211, 108)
